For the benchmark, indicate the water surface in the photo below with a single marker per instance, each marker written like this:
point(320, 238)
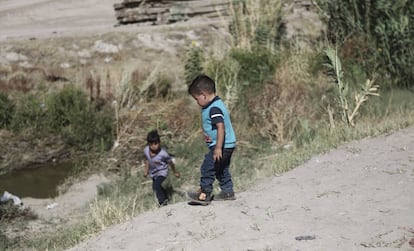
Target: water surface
point(40, 181)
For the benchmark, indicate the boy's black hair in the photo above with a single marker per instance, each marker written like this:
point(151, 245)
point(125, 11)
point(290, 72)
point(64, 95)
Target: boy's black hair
point(153, 137)
point(202, 83)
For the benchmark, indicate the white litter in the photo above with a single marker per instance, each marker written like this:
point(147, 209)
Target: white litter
point(53, 205)
point(8, 196)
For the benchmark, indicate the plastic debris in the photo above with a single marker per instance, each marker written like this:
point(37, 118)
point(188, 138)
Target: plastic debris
point(51, 206)
point(8, 196)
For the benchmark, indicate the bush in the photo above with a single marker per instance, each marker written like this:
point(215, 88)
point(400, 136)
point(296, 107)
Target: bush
point(193, 64)
point(67, 107)
point(255, 66)
point(29, 113)
point(80, 122)
point(385, 29)
point(6, 110)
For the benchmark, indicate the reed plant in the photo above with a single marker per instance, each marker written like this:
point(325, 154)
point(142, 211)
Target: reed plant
point(349, 109)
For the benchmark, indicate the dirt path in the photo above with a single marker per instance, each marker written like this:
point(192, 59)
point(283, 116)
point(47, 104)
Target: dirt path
point(355, 197)
point(49, 18)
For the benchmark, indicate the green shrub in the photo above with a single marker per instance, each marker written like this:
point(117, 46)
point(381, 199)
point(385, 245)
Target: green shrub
point(80, 123)
point(6, 110)
point(384, 31)
point(29, 113)
point(255, 66)
point(193, 63)
point(67, 107)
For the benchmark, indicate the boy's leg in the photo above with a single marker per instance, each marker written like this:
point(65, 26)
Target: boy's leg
point(224, 177)
point(158, 189)
point(207, 174)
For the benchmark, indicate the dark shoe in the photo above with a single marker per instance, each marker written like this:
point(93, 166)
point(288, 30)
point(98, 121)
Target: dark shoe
point(225, 196)
point(162, 204)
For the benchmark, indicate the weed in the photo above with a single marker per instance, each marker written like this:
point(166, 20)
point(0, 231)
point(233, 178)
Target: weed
point(9, 212)
point(349, 111)
point(194, 62)
point(256, 23)
point(6, 110)
point(30, 113)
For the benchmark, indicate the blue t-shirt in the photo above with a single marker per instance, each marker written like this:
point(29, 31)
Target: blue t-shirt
point(216, 112)
point(158, 164)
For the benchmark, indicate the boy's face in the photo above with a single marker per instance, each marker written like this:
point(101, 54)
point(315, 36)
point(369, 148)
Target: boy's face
point(154, 147)
point(201, 99)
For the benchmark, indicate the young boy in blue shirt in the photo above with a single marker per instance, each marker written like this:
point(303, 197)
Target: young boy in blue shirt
point(156, 165)
point(220, 139)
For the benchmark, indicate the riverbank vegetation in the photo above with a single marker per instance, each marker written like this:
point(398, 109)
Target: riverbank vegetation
point(289, 100)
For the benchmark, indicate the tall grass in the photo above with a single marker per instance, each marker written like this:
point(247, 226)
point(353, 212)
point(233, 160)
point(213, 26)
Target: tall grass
point(256, 23)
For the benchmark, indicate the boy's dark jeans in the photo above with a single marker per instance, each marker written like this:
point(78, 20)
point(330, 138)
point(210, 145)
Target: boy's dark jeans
point(211, 170)
point(158, 189)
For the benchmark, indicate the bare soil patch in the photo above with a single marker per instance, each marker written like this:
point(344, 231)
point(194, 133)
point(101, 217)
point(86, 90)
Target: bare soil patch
point(356, 197)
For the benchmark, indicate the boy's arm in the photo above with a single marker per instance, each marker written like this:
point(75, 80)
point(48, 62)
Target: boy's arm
point(146, 168)
point(172, 165)
point(218, 154)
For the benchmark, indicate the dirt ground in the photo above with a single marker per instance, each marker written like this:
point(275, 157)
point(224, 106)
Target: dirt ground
point(356, 197)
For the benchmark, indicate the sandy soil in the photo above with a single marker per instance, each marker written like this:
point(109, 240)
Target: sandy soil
point(355, 197)
point(48, 18)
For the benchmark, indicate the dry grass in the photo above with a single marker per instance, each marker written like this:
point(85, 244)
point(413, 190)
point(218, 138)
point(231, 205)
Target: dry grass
point(284, 100)
point(250, 17)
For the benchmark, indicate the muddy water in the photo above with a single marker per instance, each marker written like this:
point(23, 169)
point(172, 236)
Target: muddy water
point(39, 181)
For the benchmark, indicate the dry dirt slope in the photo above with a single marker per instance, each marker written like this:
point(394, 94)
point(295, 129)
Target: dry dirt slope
point(356, 197)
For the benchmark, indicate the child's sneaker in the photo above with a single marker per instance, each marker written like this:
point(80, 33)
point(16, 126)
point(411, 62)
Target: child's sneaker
point(163, 204)
point(225, 196)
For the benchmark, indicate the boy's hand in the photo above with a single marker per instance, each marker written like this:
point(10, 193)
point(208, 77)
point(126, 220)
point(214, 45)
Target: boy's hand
point(177, 174)
point(218, 154)
point(145, 175)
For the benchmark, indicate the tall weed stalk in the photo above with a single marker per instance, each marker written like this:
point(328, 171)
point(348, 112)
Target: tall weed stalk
point(349, 109)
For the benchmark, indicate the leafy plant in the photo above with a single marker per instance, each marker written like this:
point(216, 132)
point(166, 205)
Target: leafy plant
point(385, 28)
point(255, 66)
point(349, 110)
point(194, 62)
point(79, 122)
point(29, 113)
point(66, 107)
